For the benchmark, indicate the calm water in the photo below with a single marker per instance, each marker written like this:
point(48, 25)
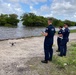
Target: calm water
point(20, 31)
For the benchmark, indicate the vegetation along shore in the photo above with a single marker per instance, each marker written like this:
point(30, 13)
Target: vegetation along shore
point(30, 20)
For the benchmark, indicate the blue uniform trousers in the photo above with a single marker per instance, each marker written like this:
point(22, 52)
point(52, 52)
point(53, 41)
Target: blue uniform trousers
point(58, 43)
point(48, 51)
point(63, 47)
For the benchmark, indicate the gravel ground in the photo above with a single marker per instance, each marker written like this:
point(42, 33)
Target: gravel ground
point(24, 57)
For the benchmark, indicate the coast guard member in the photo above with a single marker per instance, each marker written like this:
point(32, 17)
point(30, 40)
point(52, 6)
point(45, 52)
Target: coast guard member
point(59, 37)
point(66, 33)
point(48, 42)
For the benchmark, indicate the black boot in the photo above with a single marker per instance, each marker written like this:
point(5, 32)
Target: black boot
point(50, 60)
point(44, 61)
point(60, 55)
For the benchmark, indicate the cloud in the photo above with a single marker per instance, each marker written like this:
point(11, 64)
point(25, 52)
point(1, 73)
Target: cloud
point(14, 6)
point(44, 10)
point(75, 15)
point(38, 1)
point(29, 2)
point(31, 7)
point(61, 9)
point(48, 15)
point(64, 8)
point(8, 8)
point(14, 1)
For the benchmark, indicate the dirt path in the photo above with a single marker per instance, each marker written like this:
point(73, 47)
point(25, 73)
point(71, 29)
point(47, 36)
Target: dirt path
point(19, 59)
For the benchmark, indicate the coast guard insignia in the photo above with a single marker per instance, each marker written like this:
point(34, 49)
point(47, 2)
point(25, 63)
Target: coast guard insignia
point(52, 29)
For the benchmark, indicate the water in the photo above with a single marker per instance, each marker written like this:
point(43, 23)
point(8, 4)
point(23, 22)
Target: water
point(21, 31)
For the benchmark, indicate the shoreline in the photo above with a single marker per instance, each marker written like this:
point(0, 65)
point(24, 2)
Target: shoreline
point(27, 37)
point(19, 38)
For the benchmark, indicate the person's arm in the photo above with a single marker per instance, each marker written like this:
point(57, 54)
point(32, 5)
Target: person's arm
point(44, 34)
point(60, 35)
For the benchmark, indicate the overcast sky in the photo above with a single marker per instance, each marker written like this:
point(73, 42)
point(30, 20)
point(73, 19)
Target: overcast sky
point(61, 9)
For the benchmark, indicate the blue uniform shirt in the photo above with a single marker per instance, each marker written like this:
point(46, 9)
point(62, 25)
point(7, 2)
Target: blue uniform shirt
point(51, 32)
point(66, 33)
point(60, 31)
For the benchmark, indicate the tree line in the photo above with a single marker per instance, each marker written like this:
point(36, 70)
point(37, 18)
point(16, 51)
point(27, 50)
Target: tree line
point(31, 20)
point(9, 20)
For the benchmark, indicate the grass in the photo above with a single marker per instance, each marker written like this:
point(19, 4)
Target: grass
point(73, 31)
point(67, 63)
point(59, 65)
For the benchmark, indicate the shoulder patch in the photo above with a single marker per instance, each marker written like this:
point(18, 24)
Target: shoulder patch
point(52, 29)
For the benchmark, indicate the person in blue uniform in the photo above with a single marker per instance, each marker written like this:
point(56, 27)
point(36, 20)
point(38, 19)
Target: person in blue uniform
point(48, 42)
point(59, 37)
point(66, 32)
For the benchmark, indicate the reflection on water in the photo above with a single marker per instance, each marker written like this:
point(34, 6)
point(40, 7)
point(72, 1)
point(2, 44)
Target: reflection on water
point(21, 31)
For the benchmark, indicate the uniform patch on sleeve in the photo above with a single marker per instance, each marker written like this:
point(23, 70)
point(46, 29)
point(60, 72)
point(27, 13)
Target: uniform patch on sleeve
point(52, 29)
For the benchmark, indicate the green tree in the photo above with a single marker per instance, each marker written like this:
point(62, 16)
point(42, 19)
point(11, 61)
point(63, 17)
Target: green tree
point(70, 23)
point(3, 19)
point(8, 20)
point(30, 19)
point(12, 19)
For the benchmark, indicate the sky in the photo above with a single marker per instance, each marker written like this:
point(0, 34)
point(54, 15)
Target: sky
point(60, 9)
